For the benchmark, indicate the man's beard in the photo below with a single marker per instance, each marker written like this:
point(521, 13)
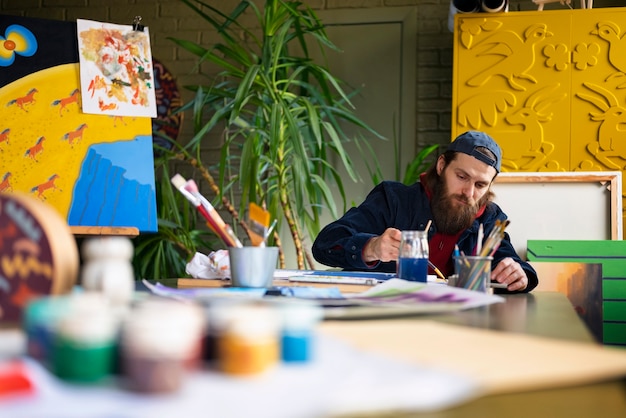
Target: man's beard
point(450, 215)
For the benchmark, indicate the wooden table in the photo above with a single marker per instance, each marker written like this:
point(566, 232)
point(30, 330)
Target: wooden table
point(545, 314)
point(542, 314)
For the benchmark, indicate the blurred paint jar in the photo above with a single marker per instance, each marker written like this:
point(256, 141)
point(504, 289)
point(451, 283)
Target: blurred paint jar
point(40, 318)
point(160, 341)
point(249, 341)
point(218, 313)
point(85, 339)
point(298, 329)
point(107, 268)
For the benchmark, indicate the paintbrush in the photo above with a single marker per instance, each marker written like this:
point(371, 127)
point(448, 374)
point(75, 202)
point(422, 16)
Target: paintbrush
point(436, 270)
point(269, 230)
point(214, 220)
point(224, 228)
point(258, 222)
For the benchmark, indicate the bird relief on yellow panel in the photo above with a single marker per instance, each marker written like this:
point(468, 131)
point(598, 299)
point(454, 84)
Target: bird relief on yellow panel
point(549, 86)
point(599, 92)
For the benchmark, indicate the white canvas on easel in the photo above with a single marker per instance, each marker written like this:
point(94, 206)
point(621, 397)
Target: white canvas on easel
point(560, 205)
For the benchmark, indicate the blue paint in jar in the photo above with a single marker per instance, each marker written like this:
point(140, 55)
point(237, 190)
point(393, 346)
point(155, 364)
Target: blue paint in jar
point(413, 269)
point(296, 346)
point(40, 318)
point(298, 330)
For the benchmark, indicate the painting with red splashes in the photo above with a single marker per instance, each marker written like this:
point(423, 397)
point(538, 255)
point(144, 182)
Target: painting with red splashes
point(116, 73)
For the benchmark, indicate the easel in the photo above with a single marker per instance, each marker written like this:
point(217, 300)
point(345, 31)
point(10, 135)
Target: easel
point(83, 231)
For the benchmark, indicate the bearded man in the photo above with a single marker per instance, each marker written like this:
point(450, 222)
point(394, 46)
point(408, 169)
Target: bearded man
point(455, 194)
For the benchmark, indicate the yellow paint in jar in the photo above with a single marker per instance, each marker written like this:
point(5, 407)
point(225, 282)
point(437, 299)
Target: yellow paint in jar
point(249, 343)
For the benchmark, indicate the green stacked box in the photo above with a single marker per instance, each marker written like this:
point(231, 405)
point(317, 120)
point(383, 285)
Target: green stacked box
point(612, 256)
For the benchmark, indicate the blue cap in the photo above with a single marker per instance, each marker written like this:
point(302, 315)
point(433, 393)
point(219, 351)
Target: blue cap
point(468, 142)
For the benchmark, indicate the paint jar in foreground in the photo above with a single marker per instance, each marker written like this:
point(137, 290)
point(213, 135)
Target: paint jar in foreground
point(160, 341)
point(299, 320)
point(249, 342)
point(85, 339)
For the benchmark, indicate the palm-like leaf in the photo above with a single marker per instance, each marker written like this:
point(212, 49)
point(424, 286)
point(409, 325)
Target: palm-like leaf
point(282, 112)
point(165, 254)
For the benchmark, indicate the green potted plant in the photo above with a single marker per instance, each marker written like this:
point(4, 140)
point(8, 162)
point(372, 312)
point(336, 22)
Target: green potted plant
point(165, 254)
point(281, 114)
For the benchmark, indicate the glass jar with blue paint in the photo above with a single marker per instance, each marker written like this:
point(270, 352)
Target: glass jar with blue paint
point(413, 256)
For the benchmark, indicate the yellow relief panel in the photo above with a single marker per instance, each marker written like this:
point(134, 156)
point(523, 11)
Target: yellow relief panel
point(599, 91)
point(549, 86)
point(512, 79)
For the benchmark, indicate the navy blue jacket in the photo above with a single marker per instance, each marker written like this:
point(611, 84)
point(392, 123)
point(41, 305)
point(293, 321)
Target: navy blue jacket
point(393, 204)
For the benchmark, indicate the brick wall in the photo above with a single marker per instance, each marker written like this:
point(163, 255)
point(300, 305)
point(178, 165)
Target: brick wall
point(172, 18)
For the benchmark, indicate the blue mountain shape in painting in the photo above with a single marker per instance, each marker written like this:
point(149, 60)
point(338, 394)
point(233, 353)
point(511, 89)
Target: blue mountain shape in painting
point(115, 187)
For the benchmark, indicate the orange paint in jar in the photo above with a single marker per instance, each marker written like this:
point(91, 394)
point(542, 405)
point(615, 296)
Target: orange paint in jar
point(249, 343)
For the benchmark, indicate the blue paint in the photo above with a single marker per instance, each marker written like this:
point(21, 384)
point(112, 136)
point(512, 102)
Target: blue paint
point(40, 317)
point(413, 269)
point(296, 346)
point(115, 187)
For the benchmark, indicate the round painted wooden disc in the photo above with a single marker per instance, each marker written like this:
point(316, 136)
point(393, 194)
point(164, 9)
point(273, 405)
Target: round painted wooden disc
point(38, 253)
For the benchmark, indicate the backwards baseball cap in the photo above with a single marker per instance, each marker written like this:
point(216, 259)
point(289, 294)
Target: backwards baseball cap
point(468, 142)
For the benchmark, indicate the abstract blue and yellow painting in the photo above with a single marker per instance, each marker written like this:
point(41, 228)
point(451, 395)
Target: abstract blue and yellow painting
point(95, 170)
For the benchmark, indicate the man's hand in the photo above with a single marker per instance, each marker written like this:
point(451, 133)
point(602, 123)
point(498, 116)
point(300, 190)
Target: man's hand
point(510, 273)
point(384, 247)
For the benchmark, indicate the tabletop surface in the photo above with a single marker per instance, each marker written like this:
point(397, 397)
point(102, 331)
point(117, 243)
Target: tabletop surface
point(544, 314)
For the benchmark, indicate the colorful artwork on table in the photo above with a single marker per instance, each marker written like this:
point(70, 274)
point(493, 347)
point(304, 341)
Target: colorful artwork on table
point(115, 69)
point(581, 283)
point(611, 292)
point(94, 169)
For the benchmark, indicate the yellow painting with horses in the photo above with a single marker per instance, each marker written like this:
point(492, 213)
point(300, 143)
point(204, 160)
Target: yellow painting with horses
point(45, 139)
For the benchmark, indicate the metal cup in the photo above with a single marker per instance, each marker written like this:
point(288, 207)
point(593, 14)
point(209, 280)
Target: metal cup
point(252, 266)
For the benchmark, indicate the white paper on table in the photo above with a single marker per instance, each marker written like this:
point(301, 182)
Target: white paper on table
point(216, 265)
point(404, 292)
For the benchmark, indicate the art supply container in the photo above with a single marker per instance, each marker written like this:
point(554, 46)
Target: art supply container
point(85, 339)
point(472, 272)
point(39, 321)
point(252, 266)
point(249, 342)
point(299, 320)
point(107, 268)
point(218, 312)
point(413, 256)
point(160, 341)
